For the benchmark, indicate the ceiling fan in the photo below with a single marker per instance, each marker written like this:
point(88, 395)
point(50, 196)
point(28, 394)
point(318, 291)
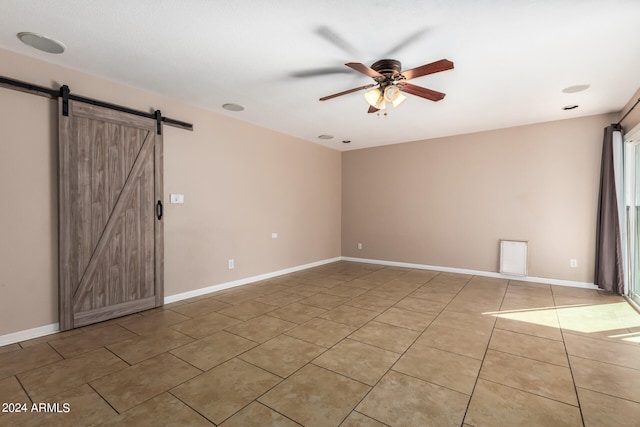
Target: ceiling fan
point(390, 82)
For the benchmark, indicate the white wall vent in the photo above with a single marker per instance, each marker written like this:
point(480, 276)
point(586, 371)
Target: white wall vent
point(513, 257)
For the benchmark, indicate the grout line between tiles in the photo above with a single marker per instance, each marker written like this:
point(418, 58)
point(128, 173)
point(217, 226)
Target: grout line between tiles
point(404, 352)
point(531, 393)
point(430, 382)
point(272, 409)
point(527, 357)
point(368, 416)
point(467, 286)
point(110, 351)
point(601, 339)
point(321, 367)
point(601, 361)
point(187, 405)
point(475, 384)
point(528, 334)
point(564, 344)
point(23, 388)
point(610, 395)
point(58, 353)
point(104, 399)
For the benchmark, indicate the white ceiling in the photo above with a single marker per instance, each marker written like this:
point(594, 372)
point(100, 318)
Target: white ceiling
point(512, 58)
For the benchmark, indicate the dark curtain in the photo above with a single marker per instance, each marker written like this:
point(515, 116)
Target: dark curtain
point(609, 264)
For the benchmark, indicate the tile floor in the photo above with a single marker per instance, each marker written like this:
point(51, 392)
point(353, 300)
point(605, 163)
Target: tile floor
point(345, 344)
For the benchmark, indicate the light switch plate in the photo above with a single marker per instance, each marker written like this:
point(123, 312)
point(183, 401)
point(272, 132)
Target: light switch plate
point(177, 198)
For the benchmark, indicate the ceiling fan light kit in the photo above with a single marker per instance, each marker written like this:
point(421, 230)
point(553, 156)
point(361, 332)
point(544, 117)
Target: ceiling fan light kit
point(393, 95)
point(379, 100)
point(390, 82)
point(374, 98)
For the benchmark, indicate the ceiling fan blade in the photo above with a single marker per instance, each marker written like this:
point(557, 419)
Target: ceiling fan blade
point(335, 95)
point(320, 72)
point(434, 67)
point(372, 109)
point(422, 92)
point(335, 39)
point(361, 68)
point(410, 39)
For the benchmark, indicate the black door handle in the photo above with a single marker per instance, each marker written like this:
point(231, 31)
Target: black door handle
point(159, 209)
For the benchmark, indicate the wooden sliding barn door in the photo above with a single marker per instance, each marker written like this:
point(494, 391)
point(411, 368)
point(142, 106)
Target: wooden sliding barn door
point(110, 225)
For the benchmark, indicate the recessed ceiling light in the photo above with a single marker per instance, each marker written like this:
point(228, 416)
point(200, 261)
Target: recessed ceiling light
point(40, 42)
point(346, 141)
point(576, 88)
point(569, 107)
point(233, 107)
point(325, 137)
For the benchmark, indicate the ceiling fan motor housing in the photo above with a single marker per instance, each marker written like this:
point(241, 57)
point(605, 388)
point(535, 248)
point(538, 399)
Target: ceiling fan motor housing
point(387, 66)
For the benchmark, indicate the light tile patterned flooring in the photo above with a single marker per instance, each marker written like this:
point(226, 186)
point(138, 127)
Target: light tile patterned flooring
point(344, 344)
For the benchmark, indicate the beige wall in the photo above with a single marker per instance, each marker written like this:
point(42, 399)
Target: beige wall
point(240, 182)
point(442, 202)
point(446, 202)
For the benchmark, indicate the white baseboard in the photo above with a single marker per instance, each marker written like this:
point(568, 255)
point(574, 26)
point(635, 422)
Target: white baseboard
point(240, 282)
point(55, 327)
point(28, 334)
point(544, 280)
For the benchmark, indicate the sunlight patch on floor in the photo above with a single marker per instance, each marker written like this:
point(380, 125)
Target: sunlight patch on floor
point(585, 318)
point(633, 337)
point(544, 316)
point(598, 318)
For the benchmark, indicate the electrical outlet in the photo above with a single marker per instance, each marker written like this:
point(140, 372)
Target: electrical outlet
point(359, 245)
point(573, 263)
point(232, 264)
